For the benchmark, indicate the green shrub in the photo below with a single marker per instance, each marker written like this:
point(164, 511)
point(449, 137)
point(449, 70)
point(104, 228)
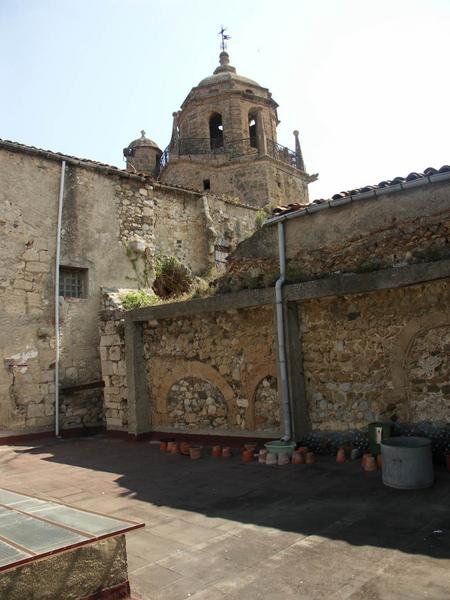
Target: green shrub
point(172, 278)
point(137, 299)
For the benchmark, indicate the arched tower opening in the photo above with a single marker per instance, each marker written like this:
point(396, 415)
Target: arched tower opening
point(216, 131)
point(252, 129)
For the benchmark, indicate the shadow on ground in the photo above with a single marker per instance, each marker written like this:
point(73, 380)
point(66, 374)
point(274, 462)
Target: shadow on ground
point(339, 502)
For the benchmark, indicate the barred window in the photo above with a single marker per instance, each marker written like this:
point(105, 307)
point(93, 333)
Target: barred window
point(72, 282)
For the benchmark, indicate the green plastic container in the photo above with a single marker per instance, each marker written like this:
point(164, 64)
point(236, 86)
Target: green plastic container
point(279, 447)
point(378, 431)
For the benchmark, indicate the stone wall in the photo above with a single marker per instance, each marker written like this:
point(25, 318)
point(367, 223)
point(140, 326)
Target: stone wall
point(394, 230)
point(105, 212)
point(381, 355)
point(204, 373)
point(255, 181)
point(378, 356)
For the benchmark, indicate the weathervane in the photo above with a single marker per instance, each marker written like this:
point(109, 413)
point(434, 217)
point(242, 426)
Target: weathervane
point(225, 37)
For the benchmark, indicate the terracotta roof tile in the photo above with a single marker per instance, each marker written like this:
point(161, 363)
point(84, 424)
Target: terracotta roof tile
point(281, 210)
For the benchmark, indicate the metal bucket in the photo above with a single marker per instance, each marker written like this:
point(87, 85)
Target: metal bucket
point(407, 463)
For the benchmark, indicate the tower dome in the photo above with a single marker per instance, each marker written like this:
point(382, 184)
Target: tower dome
point(142, 156)
point(224, 140)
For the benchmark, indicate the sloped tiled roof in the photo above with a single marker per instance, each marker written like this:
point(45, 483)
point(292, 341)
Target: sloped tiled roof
point(87, 163)
point(369, 191)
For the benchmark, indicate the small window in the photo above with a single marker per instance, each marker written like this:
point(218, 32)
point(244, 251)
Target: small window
point(72, 282)
point(206, 184)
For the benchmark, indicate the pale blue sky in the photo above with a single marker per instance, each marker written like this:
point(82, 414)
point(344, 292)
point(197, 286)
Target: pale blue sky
point(366, 83)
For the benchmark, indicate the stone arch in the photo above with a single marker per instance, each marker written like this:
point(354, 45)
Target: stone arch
point(216, 130)
point(266, 404)
point(250, 382)
point(195, 403)
point(165, 372)
point(402, 353)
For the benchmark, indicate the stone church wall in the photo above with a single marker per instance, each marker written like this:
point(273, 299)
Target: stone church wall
point(103, 212)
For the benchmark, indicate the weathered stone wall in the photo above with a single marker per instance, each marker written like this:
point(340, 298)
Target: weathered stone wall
point(205, 374)
point(256, 181)
point(378, 356)
point(104, 213)
point(382, 355)
point(394, 230)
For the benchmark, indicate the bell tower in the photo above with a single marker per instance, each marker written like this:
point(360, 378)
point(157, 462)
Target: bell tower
point(224, 140)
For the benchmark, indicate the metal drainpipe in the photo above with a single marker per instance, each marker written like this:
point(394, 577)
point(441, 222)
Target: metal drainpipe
point(57, 260)
point(280, 335)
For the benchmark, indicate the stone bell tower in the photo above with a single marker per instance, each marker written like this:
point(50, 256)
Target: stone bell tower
point(224, 140)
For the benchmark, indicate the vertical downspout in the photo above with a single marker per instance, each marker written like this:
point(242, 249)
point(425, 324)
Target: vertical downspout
point(57, 261)
point(282, 362)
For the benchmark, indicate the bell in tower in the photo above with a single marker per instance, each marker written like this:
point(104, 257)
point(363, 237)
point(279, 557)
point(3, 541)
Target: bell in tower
point(224, 140)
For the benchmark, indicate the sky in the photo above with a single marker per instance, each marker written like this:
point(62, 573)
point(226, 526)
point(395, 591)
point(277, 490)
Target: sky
point(366, 83)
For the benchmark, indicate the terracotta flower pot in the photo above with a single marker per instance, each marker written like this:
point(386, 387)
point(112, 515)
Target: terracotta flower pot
point(364, 458)
point(298, 458)
point(310, 458)
point(271, 458)
point(175, 449)
point(247, 455)
point(251, 446)
point(195, 452)
point(163, 446)
point(216, 451)
point(379, 461)
point(340, 457)
point(262, 456)
point(370, 464)
point(303, 450)
point(226, 452)
point(184, 448)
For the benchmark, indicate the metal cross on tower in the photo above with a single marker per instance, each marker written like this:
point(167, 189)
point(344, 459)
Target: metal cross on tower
point(225, 37)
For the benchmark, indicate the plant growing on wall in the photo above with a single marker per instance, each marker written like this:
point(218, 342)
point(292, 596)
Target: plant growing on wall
point(137, 299)
point(172, 277)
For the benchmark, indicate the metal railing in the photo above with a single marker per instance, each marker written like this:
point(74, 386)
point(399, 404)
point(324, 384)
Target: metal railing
point(233, 148)
point(282, 153)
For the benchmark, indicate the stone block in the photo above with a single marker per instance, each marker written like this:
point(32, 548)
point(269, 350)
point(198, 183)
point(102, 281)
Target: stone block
point(114, 353)
point(37, 267)
point(35, 410)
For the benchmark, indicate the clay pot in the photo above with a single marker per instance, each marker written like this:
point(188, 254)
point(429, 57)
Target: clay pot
point(247, 456)
point(303, 450)
point(379, 461)
point(216, 451)
point(184, 448)
point(364, 458)
point(271, 458)
point(163, 446)
point(340, 456)
point(226, 452)
point(310, 458)
point(370, 464)
point(283, 458)
point(169, 445)
point(175, 449)
point(195, 452)
point(262, 456)
point(251, 446)
point(298, 458)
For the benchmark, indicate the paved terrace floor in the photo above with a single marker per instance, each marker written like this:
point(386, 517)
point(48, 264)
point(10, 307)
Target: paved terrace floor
point(222, 530)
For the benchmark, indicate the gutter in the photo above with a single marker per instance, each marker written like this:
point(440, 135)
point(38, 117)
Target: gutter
point(282, 361)
point(371, 194)
point(57, 264)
